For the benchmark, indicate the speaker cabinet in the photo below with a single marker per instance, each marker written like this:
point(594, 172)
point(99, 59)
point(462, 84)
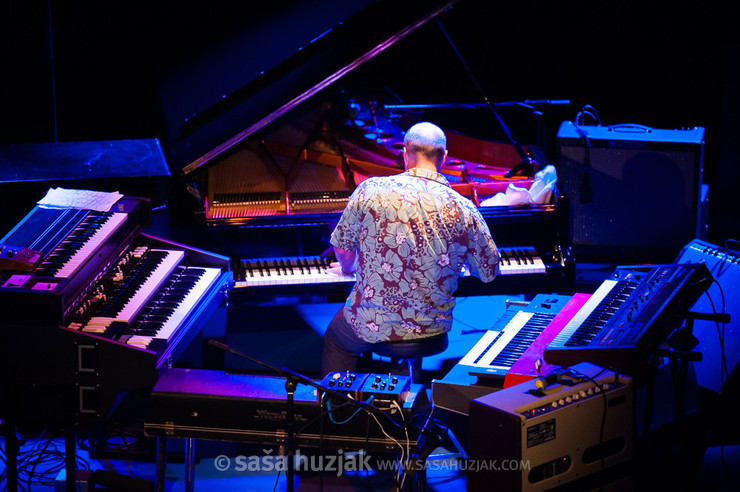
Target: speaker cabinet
point(636, 192)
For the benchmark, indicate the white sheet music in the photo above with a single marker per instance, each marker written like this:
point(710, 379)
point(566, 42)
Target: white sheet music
point(100, 201)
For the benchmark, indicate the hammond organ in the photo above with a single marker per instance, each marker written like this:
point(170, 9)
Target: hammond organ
point(93, 307)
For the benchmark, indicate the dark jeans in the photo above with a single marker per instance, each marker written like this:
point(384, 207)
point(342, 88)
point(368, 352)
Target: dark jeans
point(342, 348)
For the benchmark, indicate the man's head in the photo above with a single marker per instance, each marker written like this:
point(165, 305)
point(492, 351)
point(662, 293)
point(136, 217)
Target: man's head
point(425, 145)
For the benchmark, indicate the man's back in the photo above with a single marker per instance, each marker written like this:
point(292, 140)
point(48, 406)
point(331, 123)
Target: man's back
point(413, 233)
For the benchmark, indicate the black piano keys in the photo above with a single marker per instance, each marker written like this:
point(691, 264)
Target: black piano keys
point(161, 308)
point(498, 326)
point(523, 339)
point(284, 270)
point(593, 324)
point(89, 224)
point(126, 288)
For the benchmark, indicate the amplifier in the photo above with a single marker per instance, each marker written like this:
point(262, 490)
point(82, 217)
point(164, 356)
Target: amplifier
point(635, 192)
point(529, 438)
point(214, 405)
point(724, 265)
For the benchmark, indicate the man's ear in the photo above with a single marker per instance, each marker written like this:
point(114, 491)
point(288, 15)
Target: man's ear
point(444, 158)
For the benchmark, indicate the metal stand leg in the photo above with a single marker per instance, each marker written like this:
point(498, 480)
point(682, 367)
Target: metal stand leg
point(189, 465)
point(161, 464)
point(70, 454)
point(11, 456)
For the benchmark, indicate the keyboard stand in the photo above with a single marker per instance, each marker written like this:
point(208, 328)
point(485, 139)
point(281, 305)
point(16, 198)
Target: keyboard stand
point(11, 454)
point(679, 352)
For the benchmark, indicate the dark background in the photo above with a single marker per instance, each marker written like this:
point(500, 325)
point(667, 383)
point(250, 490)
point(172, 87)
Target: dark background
point(89, 70)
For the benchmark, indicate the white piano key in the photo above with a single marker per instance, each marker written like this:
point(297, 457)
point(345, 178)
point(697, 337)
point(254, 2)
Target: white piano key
point(91, 245)
point(507, 333)
point(157, 277)
point(577, 320)
point(189, 302)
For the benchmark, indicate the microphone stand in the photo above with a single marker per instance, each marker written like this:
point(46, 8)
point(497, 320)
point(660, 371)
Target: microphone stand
point(292, 380)
point(526, 164)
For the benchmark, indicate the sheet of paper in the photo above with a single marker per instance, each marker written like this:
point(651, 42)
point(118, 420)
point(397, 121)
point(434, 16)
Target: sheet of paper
point(100, 201)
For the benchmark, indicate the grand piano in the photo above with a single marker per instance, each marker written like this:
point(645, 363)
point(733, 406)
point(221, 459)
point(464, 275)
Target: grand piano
point(271, 164)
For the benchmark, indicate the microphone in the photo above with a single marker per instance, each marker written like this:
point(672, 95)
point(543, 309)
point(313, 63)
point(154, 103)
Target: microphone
point(586, 192)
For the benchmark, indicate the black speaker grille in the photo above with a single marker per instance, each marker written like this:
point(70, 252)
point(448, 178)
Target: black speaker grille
point(638, 198)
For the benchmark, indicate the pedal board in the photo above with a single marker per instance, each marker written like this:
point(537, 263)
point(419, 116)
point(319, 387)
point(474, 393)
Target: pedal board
point(381, 389)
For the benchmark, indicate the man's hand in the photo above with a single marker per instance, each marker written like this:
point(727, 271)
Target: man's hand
point(329, 254)
point(347, 259)
point(336, 269)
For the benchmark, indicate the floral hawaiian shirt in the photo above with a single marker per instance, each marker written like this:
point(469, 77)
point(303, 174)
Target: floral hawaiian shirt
point(413, 233)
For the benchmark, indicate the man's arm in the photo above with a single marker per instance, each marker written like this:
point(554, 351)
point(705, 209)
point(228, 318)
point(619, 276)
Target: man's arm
point(483, 255)
point(347, 260)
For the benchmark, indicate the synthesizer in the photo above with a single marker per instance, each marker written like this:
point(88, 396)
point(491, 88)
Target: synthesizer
point(720, 348)
point(629, 315)
point(70, 247)
point(510, 352)
point(518, 327)
point(101, 308)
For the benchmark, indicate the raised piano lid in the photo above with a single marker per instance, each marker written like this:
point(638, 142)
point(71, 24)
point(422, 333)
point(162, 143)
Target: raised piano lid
point(250, 162)
point(326, 57)
point(284, 150)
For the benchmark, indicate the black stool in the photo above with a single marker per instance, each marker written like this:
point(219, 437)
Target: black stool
point(412, 351)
